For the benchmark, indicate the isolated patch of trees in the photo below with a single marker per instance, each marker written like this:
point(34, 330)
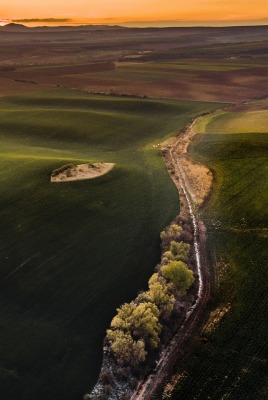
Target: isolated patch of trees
point(139, 327)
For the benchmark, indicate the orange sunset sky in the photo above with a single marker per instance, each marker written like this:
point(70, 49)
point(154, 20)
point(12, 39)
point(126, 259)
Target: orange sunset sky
point(115, 11)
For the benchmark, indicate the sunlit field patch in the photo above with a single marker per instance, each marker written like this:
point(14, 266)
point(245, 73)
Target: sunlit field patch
point(232, 362)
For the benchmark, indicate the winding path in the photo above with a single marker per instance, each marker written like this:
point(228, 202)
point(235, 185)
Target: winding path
point(174, 351)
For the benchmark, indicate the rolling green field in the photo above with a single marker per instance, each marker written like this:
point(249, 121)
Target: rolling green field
point(225, 122)
point(233, 363)
point(72, 252)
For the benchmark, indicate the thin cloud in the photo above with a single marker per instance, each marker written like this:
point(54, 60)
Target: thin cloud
point(48, 20)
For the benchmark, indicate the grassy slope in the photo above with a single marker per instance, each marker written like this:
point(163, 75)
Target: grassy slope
point(225, 122)
point(71, 253)
point(233, 364)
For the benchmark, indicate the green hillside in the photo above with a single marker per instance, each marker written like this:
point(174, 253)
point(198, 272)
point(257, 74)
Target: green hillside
point(232, 364)
point(73, 252)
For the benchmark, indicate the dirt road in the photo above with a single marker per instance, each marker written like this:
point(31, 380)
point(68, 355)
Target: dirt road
point(174, 351)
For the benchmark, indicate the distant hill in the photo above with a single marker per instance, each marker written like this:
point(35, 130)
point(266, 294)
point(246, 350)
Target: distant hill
point(12, 27)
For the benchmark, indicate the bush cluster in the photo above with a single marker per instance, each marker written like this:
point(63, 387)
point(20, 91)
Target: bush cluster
point(62, 169)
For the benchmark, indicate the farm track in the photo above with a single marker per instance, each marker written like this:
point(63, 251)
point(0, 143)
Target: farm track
point(147, 388)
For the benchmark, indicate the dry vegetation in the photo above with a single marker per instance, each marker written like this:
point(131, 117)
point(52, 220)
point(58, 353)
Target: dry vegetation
point(215, 318)
point(198, 177)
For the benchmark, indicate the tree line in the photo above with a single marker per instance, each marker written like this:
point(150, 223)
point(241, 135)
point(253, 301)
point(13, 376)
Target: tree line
point(139, 327)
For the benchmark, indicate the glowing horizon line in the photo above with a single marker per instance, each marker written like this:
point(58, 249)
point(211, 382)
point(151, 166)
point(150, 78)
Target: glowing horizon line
point(124, 20)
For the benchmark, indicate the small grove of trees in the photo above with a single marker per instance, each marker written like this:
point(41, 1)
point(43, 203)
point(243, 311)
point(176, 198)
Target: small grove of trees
point(136, 329)
point(134, 326)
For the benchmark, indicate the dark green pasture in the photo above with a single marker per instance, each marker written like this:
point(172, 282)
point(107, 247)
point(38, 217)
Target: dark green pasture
point(70, 253)
point(233, 363)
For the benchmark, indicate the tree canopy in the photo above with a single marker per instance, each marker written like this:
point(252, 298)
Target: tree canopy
point(135, 326)
point(179, 250)
point(179, 275)
point(173, 232)
point(125, 348)
point(159, 295)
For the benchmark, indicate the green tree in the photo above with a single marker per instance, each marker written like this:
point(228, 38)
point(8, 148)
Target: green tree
point(167, 257)
point(179, 276)
point(126, 350)
point(173, 232)
point(124, 318)
point(146, 323)
point(157, 278)
point(159, 295)
point(137, 322)
point(179, 250)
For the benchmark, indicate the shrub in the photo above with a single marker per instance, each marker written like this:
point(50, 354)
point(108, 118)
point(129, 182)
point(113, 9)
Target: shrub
point(122, 373)
point(106, 377)
point(62, 169)
point(108, 389)
point(186, 237)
